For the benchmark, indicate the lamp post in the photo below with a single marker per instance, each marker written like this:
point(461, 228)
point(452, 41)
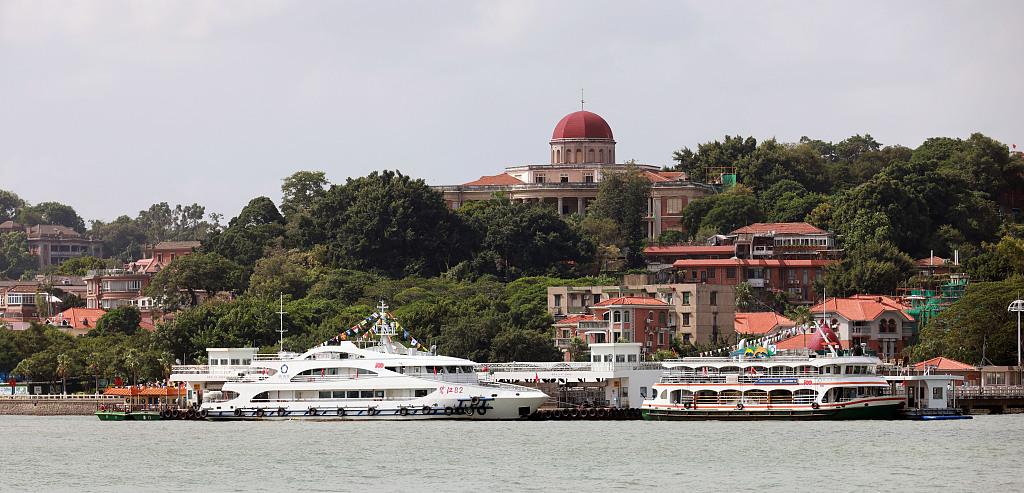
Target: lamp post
point(1017, 306)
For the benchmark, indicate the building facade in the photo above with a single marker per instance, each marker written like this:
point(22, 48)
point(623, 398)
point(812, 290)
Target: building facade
point(879, 323)
point(53, 244)
point(782, 257)
point(111, 288)
point(582, 153)
point(696, 313)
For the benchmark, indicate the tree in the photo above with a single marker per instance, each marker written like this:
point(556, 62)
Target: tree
point(523, 345)
point(51, 213)
point(671, 237)
point(10, 203)
point(79, 266)
point(622, 197)
point(287, 272)
point(722, 213)
point(301, 190)
point(386, 223)
point(120, 320)
point(123, 238)
point(63, 369)
point(579, 350)
point(976, 324)
point(15, 257)
point(208, 273)
point(871, 268)
point(724, 153)
point(258, 226)
point(522, 239)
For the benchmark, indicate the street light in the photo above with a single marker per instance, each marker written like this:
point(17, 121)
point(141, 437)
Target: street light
point(1017, 306)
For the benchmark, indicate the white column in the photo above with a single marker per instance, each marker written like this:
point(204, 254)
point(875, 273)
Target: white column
point(560, 206)
point(579, 205)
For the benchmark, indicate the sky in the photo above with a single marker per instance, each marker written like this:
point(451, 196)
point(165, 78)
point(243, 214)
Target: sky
point(111, 106)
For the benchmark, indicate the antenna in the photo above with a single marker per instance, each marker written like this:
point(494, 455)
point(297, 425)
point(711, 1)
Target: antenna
point(280, 329)
point(581, 99)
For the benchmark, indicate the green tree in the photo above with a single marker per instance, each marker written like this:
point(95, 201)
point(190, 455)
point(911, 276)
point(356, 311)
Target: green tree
point(870, 268)
point(722, 213)
point(79, 266)
point(386, 223)
point(976, 324)
point(10, 203)
point(724, 153)
point(123, 320)
point(671, 237)
point(51, 213)
point(190, 275)
point(63, 370)
point(301, 190)
point(523, 345)
point(257, 227)
point(282, 271)
point(15, 257)
point(622, 197)
point(522, 239)
point(123, 238)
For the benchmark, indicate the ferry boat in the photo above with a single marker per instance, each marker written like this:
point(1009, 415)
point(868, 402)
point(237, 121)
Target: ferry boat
point(365, 373)
point(821, 382)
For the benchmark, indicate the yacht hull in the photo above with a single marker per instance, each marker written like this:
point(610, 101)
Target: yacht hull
point(493, 409)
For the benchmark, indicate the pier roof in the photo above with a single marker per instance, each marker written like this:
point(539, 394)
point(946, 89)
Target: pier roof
point(943, 363)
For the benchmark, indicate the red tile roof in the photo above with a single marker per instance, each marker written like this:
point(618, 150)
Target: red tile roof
point(502, 179)
point(930, 262)
point(690, 250)
point(632, 300)
point(862, 307)
point(78, 318)
point(759, 322)
point(575, 319)
point(781, 228)
point(943, 363)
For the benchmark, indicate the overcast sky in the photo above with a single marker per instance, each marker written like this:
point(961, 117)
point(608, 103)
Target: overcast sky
point(111, 106)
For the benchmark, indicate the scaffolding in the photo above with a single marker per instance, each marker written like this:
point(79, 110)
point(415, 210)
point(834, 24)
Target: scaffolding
point(933, 296)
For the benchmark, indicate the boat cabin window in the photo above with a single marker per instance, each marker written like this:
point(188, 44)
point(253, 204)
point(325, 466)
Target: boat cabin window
point(595, 358)
point(422, 392)
point(236, 361)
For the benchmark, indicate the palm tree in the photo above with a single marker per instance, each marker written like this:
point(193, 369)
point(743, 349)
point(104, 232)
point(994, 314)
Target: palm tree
point(63, 368)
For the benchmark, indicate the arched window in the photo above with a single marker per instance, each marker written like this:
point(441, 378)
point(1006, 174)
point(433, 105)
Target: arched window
point(553, 156)
point(590, 156)
point(600, 155)
point(616, 316)
point(568, 156)
point(579, 156)
point(558, 155)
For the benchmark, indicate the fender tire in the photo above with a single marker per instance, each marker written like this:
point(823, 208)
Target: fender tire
point(238, 412)
point(427, 410)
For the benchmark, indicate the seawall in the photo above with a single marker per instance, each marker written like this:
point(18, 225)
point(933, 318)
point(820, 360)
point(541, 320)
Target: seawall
point(50, 405)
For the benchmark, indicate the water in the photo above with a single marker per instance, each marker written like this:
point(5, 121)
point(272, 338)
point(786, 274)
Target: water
point(85, 454)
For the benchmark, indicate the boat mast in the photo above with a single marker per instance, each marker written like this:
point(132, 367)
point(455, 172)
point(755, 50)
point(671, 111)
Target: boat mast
point(280, 329)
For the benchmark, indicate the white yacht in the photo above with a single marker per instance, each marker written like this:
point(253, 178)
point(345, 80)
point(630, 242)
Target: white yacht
point(373, 378)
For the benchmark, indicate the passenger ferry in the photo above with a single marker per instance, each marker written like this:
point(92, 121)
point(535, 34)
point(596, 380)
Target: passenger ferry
point(371, 377)
point(822, 382)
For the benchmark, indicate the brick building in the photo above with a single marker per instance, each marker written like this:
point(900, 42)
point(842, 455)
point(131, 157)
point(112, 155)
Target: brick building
point(582, 150)
point(111, 288)
point(53, 244)
point(696, 313)
point(881, 323)
point(786, 257)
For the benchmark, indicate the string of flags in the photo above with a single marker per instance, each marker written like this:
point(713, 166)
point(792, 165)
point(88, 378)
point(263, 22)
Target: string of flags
point(370, 326)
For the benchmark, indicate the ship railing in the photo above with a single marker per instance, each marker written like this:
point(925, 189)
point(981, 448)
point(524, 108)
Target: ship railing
point(570, 366)
point(505, 386)
point(330, 378)
point(61, 397)
point(670, 377)
point(275, 356)
point(989, 391)
point(209, 369)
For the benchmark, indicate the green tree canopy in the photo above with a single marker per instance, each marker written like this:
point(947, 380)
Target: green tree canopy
point(301, 190)
point(181, 282)
point(51, 213)
point(868, 268)
point(120, 320)
point(15, 258)
point(622, 197)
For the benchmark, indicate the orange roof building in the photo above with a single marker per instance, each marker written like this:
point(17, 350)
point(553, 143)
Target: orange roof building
point(77, 321)
point(881, 323)
point(761, 323)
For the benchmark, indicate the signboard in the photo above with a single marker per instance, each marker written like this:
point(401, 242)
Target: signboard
point(776, 380)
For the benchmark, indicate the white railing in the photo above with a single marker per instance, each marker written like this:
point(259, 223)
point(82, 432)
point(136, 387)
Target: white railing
point(571, 366)
point(218, 370)
point(60, 397)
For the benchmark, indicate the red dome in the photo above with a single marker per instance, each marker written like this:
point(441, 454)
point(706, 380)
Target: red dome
point(582, 125)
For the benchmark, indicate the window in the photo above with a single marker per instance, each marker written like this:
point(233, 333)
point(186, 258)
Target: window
point(590, 156)
point(538, 179)
point(674, 205)
point(616, 316)
point(563, 178)
point(597, 299)
point(711, 272)
point(625, 316)
point(661, 318)
point(714, 298)
point(588, 178)
point(686, 298)
point(686, 319)
point(730, 273)
point(937, 393)
point(600, 155)
point(558, 300)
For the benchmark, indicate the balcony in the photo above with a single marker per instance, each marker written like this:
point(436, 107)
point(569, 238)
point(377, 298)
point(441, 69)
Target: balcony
point(757, 283)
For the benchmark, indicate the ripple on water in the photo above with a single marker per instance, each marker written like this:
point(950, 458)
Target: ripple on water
point(85, 454)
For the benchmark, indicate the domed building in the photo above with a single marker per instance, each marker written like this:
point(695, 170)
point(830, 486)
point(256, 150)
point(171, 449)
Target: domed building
point(582, 150)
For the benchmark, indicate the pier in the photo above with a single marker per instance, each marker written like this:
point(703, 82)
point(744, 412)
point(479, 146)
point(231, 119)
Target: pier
point(998, 399)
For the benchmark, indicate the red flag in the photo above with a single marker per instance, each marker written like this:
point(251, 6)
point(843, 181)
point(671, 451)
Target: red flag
point(536, 377)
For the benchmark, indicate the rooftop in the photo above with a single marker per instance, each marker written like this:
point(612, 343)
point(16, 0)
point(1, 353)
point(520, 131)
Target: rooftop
point(582, 125)
point(942, 363)
point(500, 179)
point(177, 245)
point(861, 307)
point(781, 228)
point(690, 250)
point(632, 300)
point(758, 323)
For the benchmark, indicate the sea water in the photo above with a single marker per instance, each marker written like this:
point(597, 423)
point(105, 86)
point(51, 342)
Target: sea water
point(85, 454)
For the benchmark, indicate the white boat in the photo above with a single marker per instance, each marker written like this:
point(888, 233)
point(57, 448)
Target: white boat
point(823, 382)
point(375, 378)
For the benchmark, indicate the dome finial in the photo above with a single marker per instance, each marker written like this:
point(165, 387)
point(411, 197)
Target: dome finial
point(581, 99)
